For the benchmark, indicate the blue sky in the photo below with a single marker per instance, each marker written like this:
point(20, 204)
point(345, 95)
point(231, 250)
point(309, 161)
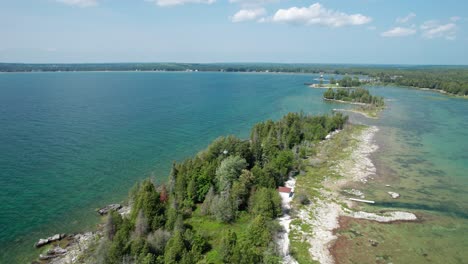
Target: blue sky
point(328, 31)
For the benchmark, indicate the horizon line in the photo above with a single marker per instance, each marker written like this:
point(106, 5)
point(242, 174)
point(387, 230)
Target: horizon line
point(230, 62)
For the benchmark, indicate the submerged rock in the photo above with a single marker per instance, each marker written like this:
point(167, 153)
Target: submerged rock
point(108, 208)
point(355, 192)
point(53, 253)
point(45, 241)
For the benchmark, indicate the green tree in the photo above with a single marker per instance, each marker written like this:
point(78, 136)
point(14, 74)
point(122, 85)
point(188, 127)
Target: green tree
point(228, 245)
point(229, 170)
point(175, 249)
point(266, 202)
point(223, 207)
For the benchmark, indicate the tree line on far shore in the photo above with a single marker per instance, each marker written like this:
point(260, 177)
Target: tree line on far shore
point(451, 79)
point(346, 81)
point(218, 206)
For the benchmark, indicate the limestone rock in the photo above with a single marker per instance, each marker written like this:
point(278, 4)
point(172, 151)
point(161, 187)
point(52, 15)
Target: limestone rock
point(108, 208)
point(45, 241)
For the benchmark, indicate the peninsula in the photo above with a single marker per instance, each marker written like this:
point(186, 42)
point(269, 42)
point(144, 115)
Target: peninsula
point(219, 206)
point(369, 105)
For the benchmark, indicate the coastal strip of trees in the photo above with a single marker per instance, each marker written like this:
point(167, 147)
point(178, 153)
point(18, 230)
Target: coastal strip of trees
point(230, 189)
point(357, 95)
point(346, 81)
point(450, 82)
point(450, 79)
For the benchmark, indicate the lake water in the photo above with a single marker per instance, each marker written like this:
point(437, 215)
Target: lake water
point(72, 142)
point(423, 156)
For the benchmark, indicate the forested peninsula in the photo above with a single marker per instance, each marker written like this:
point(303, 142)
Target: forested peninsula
point(216, 207)
point(369, 105)
point(358, 95)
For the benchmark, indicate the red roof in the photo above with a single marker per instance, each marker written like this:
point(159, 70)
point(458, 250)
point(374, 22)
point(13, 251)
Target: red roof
point(284, 189)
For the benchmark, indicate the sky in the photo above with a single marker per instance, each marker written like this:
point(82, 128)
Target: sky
point(286, 31)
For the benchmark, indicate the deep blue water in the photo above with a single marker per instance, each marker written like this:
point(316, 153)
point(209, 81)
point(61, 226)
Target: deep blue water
point(72, 142)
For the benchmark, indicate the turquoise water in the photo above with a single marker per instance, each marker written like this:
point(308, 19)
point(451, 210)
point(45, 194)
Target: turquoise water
point(423, 156)
point(424, 149)
point(72, 142)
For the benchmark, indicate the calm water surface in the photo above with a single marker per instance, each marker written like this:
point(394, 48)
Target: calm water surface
point(423, 156)
point(72, 142)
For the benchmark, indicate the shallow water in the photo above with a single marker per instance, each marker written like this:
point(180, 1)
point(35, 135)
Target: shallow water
point(423, 141)
point(72, 142)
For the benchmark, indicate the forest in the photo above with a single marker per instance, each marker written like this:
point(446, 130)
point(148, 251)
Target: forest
point(357, 95)
point(218, 206)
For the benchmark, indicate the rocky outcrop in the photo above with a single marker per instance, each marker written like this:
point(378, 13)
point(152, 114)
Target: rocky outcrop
point(108, 208)
point(53, 253)
point(79, 243)
point(45, 241)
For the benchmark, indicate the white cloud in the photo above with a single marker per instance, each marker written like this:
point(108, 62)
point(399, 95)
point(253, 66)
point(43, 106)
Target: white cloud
point(180, 2)
point(79, 3)
point(248, 15)
point(455, 18)
point(405, 19)
point(371, 27)
point(398, 32)
point(433, 29)
point(253, 2)
point(316, 14)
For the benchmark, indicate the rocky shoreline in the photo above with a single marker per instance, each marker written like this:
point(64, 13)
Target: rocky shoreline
point(65, 249)
point(324, 214)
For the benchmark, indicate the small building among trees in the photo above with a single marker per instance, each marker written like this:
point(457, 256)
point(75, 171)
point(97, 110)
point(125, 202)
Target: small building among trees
point(285, 190)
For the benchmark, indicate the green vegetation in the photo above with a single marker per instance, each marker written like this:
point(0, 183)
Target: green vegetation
point(358, 95)
point(219, 206)
point(450, 79)
point(347, 82)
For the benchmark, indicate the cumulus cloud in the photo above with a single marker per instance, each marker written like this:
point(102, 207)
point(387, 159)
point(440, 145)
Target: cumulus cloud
point(398, 32)
point(433, 29)
point(316, 14)
point(79, 3)
point(180, 2)
point(455, 18)
point(248, 15)
point(405, 19)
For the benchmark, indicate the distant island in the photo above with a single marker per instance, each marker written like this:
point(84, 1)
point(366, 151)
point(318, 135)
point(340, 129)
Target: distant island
point(447, 79)
point(368, 104)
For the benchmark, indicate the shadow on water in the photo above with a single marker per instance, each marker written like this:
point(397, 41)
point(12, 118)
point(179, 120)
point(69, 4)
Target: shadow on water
point(445, 209)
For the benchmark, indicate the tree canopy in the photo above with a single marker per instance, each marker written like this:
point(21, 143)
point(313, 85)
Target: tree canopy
point(230, 179)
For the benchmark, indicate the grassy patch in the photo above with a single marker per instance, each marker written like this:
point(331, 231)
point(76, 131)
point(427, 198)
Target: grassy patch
point(212, 229)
